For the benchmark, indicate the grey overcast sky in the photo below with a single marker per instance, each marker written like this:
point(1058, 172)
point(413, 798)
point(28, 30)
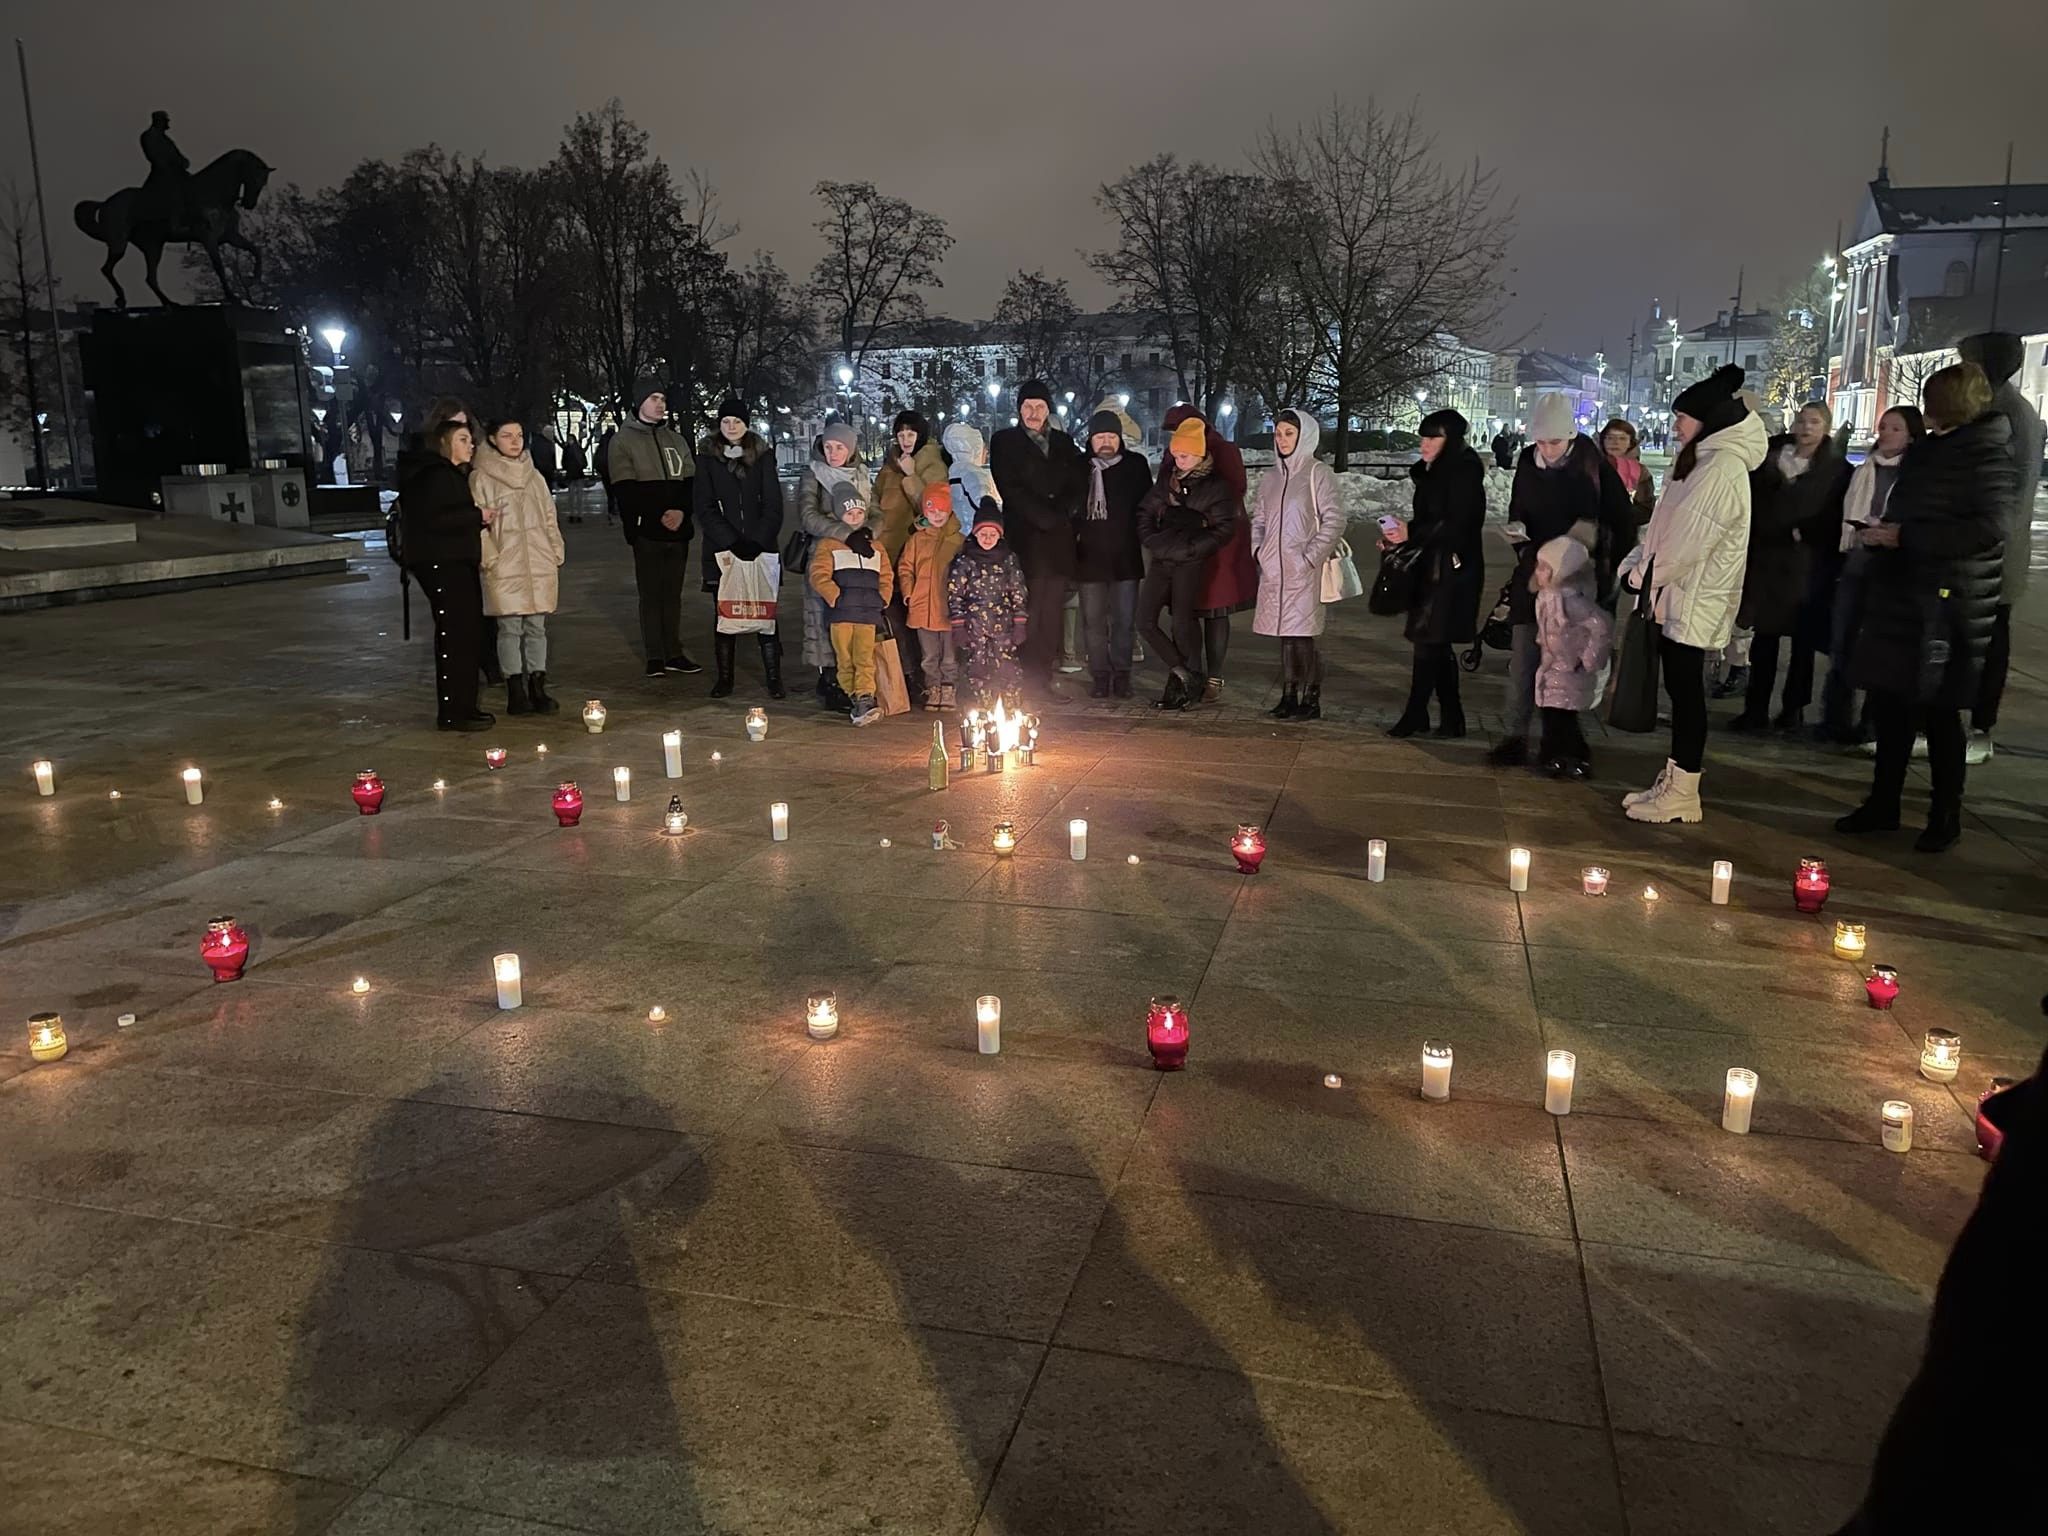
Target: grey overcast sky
point(1650, 150)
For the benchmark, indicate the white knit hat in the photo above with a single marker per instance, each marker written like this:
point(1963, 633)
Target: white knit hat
point(1551, 421)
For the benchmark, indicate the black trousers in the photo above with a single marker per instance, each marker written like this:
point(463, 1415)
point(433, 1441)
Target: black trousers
point(1177, 583)
point(1685, 684)
point(660, 567)
point(458, 604)
point(1763, 672)
point(1997, 662)
point(1045, 605)
point(1563, 739)
point(1893, 717)
point(1435, 671)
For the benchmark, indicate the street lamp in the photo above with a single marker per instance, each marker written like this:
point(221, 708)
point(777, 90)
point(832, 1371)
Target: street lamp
point(1225, 408)
point(995, 393)
point(334, 336)
point(1124, 401)
point(845, 376)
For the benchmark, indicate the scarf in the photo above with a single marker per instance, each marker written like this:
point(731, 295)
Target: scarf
point(1860, 503)
point(1098, 501)
point(1042, 441)
point(1630, 470)
point(735, 450)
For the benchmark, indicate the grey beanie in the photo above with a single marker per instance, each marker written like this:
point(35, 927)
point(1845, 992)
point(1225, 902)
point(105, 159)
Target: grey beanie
point(840, 432)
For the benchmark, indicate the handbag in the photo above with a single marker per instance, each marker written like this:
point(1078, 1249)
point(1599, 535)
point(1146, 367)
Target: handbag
point(796, 551)
point(1393, 590)
point(892, 694)
point(746, 593)
point(1340, 574)
point(1632, 701)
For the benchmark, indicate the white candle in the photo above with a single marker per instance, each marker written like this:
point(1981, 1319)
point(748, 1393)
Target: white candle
point(821, 1016)
point(1376, 860)
point(194, 790)
point(1738, 1100)
point(360, 985)
point(1436, 1070)
point(672, 753)
point(1518, 869)
point(657, 1014)
point(46, 779)
point(1557, 1084)
point(988, 1024)
point(1896, 1125)
point(1077, 838)
point(1724, 877)
point(510, 995)
point(778, 821)
point(622, 783)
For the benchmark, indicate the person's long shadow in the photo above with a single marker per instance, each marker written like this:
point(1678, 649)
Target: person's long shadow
point(411, 1336)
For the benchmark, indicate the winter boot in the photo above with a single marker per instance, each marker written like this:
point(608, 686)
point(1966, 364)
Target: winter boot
point(1944, 829)
point(517, 700)
point(1735, 680)
point(1176, 696)
point(864, 710)
point(724, 655)
point(1977, 749)
point(1311, 703)
point(1212, 691)
point(830, 694)
point(947, 699)
point(1101, 688)
point(1870, 816)
point(1120, 685)
point(1638, 796)
point(1676, 799)
point(771, 665)
point(537, 688)
point(1289, 705)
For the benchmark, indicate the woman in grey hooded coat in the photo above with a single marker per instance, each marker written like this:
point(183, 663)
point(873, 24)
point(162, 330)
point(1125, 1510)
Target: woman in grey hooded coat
point(1297, 520)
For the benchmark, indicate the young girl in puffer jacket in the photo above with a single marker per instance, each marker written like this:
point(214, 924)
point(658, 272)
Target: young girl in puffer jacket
point(1575, 637)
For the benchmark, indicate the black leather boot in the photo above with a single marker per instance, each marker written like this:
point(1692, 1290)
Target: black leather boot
point(537, 687)
point(724, 653)
point(517, 700)
point(1289, 705)
point(1311, 703)
point(771, 665)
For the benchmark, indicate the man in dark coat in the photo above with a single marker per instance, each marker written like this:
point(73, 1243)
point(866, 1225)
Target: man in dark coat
point(1999, 354)
point(651, 470)
point(1041, 477)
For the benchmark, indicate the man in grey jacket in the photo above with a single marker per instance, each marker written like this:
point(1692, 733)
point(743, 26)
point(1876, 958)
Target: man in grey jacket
point(650, 473)
point(1999, 354)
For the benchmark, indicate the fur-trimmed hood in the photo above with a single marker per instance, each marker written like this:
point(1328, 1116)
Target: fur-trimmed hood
point(711, 449)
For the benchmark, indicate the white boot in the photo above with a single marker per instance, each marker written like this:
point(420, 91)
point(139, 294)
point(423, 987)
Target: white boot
point(1638, 796)
point(1978, 750)
point(1676, 799)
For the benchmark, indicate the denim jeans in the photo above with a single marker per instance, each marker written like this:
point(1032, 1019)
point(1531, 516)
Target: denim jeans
point(1109, 615)
point(522, 642)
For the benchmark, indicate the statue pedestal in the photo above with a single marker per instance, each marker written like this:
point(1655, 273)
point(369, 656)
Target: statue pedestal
point(265, 498)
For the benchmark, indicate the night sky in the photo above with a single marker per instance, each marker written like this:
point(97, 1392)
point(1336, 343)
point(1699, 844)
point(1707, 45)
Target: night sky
point(1646, 155)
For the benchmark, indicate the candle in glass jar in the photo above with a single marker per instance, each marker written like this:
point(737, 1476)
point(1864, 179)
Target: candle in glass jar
point(46, 1040)
point(1167, 1033)
point(1562, 1071)
point(1737, 1100)
point(1436, 1070)
point(821, 1016)
point(506, 968)
point(224, 948)
point(593, 716)
point(46, 778)
point(778, 821)
point(368, 792)
point(1518, 869)
point(1941, 1055)
point(195, 792)
point(1376, 860)
point(494, 758)
point(1851, 939)
point(1077, 838)
point(675, 820)
point(1249, 849)
point(1594, 878)
point(622, 783)
point(1895, 1120)
point(567, 804)
point(1810, 885)
point(757, 725)
point(1881, 986)
point(988, 1024)
point(672, 753)
point(1724, 878)
point(1004, 839)
point(1990, 1135)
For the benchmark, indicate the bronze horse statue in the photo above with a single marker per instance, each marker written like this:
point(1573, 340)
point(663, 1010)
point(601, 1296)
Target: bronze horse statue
point(214, 196)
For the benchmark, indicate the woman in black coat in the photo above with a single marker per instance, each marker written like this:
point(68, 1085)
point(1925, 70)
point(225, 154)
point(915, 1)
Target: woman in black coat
point(1184, 519)
point(1930, 599)
point(737, 498)
point(1443, 610)
point(442, 531)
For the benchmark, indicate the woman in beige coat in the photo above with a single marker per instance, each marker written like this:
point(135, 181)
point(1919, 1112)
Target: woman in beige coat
point(521, 553)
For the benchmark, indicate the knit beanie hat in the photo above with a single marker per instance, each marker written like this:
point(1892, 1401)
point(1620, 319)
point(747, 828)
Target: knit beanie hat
point(989, 512)
point(936, 503)
point(840, 432)
point(912, 420)
point(1998, 353)
point(733, 406)
point(1552, 420)
point(846, 498)
point(1190, 437)
point(1034, 389)
point(1105, 421)
point(1716, 389)
point(1446, 423)
point(642, 388)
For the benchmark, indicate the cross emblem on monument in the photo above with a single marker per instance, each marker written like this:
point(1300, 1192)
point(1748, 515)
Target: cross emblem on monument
point(291, 493)
point(233, 507)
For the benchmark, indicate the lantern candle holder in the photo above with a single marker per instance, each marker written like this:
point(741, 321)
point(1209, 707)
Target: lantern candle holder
point(568, 804)
point(1881, 986)
point(821, 1016)
point(675, 821)
point(511, 989)
point(593, 716)
point(757, 725)
point(778, 821)
point(1166, 1033)
point(1077, 839)
point(368, 792)
point(1376, 860)
point(622, 783)
point(1941, 1055)
point(1004, 840)
point(1895, 1125)
point(494, 758)
point(1594, 879)
point(1248, 847)
point(1851, 940)
point(1436, 1070)
point(672, 753)
point(46, 1040)
point(195, 787)
point(1561, 1072)
point(1724, 881)
point(46, 777)
point(1518, 869)
point(1738, 1100)
point(225, 949)
point(1810, 885)
point(988, 1024)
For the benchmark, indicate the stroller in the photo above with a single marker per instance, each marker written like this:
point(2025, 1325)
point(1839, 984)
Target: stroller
point(1497, 633)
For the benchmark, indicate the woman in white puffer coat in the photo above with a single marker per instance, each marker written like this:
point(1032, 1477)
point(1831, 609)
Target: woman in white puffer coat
point(1693, 556)
point(522, 551)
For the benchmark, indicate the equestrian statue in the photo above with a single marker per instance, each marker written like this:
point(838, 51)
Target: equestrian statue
point(177, 204)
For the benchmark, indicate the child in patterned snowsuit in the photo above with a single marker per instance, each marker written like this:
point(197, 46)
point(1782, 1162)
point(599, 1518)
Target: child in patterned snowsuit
point(985, 600)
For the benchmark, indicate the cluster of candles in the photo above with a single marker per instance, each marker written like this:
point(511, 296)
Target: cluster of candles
point(1001, 739)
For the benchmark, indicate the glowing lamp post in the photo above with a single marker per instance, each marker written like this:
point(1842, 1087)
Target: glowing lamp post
point(225, 949)
point(568, 804)
point(368, 792)
point(1248, 847)
point(1166, 1033)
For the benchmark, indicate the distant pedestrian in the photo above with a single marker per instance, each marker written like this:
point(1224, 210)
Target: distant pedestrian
point(1184, 519)
point(522, 552)
point(575, 460)
point(1230, 576)
point(1297, 519)
point(546, 453)
point(737, 498)
point(1618, 440)
point(1506, 444)
point(1449, 522)
point(443, 533)
point(602, 461)
point(1999, 354)
point(651, 470)
point(1109, 561)
point(1863, 505)
point(1041, 477)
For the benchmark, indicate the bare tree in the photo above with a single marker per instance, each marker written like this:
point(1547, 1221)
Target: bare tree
point(1390, 252)
point(768, 333)
point(1037, 320)
point(28, 369)
point(1282, 350)
point(880, 253)
point(1796, 361)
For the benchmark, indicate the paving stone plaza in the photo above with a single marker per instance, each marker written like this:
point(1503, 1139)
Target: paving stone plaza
point(285, 1256)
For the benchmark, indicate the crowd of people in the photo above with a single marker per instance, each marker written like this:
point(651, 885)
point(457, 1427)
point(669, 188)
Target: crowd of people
point(942, 575)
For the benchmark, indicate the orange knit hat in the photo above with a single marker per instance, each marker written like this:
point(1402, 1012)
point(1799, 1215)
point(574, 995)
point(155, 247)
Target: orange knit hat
point(1191, 437)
